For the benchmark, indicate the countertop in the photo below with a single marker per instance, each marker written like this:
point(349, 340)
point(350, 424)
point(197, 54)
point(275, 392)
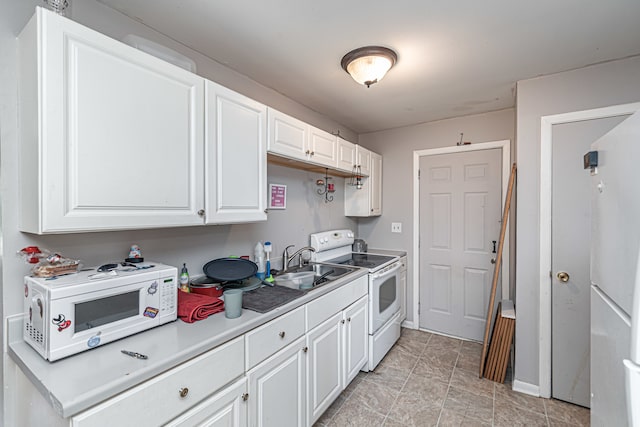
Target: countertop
point(78, 382)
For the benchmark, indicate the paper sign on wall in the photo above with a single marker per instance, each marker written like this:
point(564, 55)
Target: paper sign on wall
point(277, 196)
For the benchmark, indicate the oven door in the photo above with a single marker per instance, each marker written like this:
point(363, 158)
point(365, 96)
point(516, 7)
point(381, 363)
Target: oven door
point(384, 296)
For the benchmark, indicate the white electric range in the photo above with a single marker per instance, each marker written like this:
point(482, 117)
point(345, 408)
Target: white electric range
point(334, 247)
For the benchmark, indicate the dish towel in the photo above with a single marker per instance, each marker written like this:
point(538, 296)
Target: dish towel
point(192, 307)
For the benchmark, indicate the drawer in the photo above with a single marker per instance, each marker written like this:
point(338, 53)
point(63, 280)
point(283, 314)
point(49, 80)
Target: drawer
point(327, 305)
point(264, 341)
point(163, 397)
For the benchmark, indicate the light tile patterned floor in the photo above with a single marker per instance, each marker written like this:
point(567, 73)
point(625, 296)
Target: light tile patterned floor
point(431, 380)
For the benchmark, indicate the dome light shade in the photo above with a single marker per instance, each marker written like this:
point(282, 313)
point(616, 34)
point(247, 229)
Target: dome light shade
point(368, 65)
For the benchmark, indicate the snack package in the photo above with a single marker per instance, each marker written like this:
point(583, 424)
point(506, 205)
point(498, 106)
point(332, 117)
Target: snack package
point(48, 264)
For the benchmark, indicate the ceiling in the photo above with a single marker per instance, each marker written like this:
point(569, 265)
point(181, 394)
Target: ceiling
point(454, 57)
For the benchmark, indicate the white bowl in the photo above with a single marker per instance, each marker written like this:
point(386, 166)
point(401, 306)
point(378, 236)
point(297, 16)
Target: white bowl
point(300, 280)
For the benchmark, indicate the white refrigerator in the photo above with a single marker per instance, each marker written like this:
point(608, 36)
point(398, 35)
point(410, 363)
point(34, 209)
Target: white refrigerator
point(615, 277)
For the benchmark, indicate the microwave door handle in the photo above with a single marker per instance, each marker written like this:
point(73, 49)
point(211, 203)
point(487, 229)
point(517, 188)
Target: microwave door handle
point(388, 272)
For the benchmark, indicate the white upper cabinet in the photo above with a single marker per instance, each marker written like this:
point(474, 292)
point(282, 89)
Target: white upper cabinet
point(236, 157)
point(345, 155)
point(287, 136)
point(112, 138)
point(363, 160)
point(295, 139)
point(322, 146)
point(366, 201)
point(375, 190)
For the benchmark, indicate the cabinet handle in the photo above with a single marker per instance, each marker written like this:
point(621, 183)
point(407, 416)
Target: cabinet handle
point(183, 392)
point(281, 334)
point(342, 321)
point(307, 152)
point(305, 349)
point(313, 152)
point(348, 319)
point(201, 212)
point(266, 211)
point(245, 396)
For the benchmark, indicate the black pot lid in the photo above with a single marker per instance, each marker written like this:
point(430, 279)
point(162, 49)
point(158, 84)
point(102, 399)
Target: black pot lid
point(230, 269)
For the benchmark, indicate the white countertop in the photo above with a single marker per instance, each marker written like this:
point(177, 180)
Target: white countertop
point(78, 382)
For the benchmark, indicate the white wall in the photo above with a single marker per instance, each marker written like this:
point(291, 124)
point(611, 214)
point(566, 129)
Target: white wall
point(397, 147)
point(306, 211)
point(601, 85)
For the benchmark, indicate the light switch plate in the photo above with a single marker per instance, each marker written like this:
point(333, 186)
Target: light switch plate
point(396, 227)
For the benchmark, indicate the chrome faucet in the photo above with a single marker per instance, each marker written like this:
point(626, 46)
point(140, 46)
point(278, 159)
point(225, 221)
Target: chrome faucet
point(286, 258)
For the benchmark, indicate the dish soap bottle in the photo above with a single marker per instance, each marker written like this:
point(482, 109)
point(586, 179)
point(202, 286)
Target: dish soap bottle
point(258, 254)
point(184, 278)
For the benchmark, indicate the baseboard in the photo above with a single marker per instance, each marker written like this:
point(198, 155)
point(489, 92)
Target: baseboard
point(408, 324)
point(526, 388)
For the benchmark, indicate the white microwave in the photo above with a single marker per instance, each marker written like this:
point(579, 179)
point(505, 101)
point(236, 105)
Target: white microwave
point(78, 312)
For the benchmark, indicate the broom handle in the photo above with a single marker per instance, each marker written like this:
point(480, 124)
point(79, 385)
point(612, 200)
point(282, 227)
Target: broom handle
point(496, 271)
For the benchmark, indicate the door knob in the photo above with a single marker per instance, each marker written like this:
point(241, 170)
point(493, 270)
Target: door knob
point(563, 276)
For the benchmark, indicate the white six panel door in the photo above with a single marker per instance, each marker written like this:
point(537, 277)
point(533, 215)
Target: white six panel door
point(460, 213)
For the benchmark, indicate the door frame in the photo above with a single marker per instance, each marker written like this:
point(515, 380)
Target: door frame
point(505, 146)
point(546, 146)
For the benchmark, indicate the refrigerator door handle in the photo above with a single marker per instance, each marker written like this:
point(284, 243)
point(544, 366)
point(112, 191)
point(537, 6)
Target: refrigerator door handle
point(632, 382)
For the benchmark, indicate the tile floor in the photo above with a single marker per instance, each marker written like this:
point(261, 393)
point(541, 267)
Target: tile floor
point(432, 380)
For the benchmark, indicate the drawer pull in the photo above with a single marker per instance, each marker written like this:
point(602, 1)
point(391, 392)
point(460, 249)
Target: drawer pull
point(245, 396)
point(282, 334)
point(183, 392)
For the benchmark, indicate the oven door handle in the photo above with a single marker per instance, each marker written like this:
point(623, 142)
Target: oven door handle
point(389, 272)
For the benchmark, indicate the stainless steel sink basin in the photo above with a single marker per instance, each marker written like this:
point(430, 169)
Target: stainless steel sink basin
point(323, 273)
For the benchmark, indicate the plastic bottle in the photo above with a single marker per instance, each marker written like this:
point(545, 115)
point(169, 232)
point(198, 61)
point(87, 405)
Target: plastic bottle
point(258, 253)
point(184, 278)
point(267, 250)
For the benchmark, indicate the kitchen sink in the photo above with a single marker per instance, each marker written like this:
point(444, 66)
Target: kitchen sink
point(323, 273)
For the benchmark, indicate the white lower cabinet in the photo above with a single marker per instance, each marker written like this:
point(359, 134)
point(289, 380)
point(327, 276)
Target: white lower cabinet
point(174, 392)
point(325, 366)
point(355, 339)
point(227, 408)
point(277, 388)
point(337, 352)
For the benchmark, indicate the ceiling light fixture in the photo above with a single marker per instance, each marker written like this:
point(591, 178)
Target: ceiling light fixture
point(368, 65)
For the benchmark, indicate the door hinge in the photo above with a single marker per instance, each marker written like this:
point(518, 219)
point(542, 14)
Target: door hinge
point(418, 173)
point(418, 308)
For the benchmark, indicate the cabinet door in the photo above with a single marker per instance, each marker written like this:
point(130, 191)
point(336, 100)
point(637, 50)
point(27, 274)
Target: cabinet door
point(325, 366)
point(323, 148)
point(363, 159)
point(277, 388)
point(287, 136)
point(345, 155)
point(236, 159)
point(355, 339)
point(227, 408)
point(376, 185)
point(121, 134)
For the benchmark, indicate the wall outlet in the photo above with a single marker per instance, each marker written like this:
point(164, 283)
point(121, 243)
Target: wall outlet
point(396, 227)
